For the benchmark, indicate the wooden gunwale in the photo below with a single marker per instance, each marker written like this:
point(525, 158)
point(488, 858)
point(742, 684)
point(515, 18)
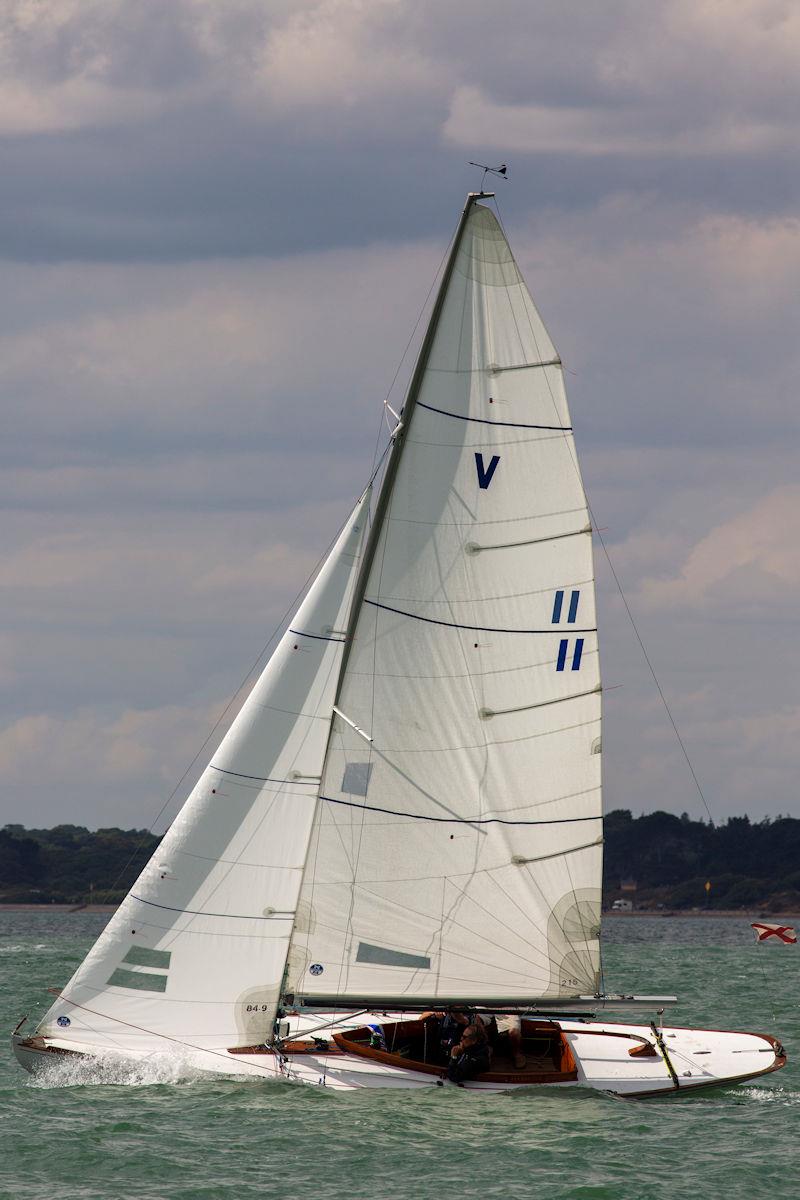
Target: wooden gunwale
point(40, 1046)
point(300, 1047)
point(569, 1074)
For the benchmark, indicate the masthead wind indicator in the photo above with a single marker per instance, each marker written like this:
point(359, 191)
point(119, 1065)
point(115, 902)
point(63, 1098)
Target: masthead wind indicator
point(501, 171)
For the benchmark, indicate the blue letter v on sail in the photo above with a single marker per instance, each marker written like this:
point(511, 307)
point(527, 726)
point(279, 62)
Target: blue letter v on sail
point(485, 473)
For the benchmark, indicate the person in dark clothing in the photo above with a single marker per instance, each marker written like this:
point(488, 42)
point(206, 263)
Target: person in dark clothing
point(469, 1057)
point(451, 1026)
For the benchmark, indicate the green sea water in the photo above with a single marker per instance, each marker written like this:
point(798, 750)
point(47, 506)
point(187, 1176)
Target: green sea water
point(71, 1137)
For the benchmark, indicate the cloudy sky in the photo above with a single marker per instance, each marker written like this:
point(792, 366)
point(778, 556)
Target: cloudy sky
point(219, 220)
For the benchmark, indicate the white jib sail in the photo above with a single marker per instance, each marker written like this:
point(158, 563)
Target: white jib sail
point(195, 954)
point(458, 854)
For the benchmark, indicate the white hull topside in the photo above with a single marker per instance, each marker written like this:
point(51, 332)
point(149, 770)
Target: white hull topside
point(696, 1058)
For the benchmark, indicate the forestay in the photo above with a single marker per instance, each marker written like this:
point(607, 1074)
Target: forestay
point(197, 950)
point(458, 853)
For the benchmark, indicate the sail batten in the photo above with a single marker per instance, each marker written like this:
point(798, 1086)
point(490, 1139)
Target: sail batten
point(469, 812)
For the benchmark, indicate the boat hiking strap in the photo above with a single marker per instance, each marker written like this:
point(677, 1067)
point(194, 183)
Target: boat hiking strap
point(664, 1054)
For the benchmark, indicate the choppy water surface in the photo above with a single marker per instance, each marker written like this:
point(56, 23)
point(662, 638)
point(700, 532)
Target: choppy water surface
point(166, 1136)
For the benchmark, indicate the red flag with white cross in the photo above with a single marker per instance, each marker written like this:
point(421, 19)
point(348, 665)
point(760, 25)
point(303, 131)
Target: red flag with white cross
point(781, 933)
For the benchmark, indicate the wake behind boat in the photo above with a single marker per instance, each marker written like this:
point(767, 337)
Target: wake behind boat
point(406, 813)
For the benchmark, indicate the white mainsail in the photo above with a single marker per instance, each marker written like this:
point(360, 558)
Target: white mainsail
point(456, 850)
point(196, 952)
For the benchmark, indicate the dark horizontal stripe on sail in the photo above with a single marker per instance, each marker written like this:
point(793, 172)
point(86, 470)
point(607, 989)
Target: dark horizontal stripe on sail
point(318, 637)
point(486, 421)
point(457, 820)
point(266, 778)
point(281, 916)
point(478, 628)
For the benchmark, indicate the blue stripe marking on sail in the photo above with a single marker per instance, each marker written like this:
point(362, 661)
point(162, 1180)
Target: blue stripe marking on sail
point(559, 600)
point(192, 912)
point(576, 657)
point(455, 625)
point(316, 636)
point(562, 654)
point(573, 607)
point(392, 812)
point(485, 421)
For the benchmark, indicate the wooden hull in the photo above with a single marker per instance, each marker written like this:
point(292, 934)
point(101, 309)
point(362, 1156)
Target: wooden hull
point(627, 1061)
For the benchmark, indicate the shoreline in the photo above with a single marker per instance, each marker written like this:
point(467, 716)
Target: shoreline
point(690, 914)
point(62, 908)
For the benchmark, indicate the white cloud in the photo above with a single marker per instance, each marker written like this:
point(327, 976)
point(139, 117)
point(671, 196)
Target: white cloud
point(123, 765)
point(746, 566)
point(229, 346)
point(347, 53)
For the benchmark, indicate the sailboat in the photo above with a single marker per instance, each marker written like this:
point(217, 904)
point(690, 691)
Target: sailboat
point(406, 814)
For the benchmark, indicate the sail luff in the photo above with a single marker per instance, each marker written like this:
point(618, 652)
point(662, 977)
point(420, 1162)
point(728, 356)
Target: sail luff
point(398, 441)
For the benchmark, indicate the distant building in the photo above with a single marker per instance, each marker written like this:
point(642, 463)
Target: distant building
point(622, 906)
point(627, 885)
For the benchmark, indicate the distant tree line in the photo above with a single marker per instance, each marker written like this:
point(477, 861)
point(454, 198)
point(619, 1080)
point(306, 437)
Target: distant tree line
point(670, 859)
point(70, 864)
point(664, 861)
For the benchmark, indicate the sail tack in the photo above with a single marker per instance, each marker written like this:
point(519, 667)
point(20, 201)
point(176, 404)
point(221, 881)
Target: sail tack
point(196, 952)
point(456, 848)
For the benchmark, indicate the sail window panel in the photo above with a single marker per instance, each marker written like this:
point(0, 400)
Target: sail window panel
point(355, 780)
point(143, 956)
point(384, 956)
point(142, 981)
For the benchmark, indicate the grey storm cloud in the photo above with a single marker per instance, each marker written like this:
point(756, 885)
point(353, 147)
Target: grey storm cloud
point(239, 129)
point(219, 224)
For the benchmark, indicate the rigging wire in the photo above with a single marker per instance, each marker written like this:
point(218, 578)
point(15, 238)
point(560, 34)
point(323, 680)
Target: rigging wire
point(405, 351)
